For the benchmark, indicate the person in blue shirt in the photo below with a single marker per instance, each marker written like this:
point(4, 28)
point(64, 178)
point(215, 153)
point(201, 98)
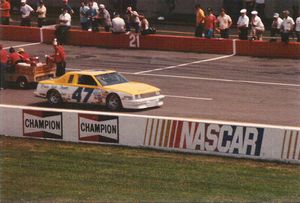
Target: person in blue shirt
point(93, 19)
point(83, 15)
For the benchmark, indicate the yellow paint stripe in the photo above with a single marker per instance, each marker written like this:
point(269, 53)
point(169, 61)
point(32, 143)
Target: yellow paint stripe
point(290, 143)
point(156, 132)
point(295, 146)
point(283, 146)
point(169, 126)
point(150, 137)
point(162, 132)
point(146, 131)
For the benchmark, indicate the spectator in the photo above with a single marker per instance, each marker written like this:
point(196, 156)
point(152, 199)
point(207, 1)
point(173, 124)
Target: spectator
point(95, 5)
point(92, 15)
point(26, 11)
point(275, 28)
point(287, 27)
point(41, 11)
point(257, 26)
point(83, 15)
point(24, 56)
point(298, 28)
point(5, 12)
point(134, 20)
point(63, 27)
point(224, 23)
point(67, 6)
point(3, 64)
point(145, 26)
point(209, 24)
point(59, 58)
point(243, 24)
point(260, 8)
point(118, 24)
point(128, 20)
point(105, 17)
point(200, 17)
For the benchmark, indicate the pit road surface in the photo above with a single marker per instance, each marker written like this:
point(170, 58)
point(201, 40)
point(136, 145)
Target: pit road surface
point(202, 86)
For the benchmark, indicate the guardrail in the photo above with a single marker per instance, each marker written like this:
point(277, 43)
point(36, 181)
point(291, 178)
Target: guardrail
point(156, 42)
point(241, 140)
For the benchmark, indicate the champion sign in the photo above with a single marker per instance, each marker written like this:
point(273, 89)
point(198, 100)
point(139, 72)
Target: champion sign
point(204, 137)
point(42, 124)
point(98, 128)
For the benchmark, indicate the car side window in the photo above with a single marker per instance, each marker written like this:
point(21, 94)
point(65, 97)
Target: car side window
point(86, 80)
point(71, 79)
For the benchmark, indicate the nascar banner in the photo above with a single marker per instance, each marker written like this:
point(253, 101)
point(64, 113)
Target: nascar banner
point(253, 141)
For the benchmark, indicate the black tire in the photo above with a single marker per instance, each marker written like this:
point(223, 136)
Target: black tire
point(54, 98)
point(22, 83)
point(113, 102)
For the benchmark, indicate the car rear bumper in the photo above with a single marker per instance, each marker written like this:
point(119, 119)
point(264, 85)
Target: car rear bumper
point(143, 103)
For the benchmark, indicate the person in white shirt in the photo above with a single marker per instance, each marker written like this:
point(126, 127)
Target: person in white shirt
point(224, 22)
point(26, 11)
point(118, 24)
point(257, 26)
point(287, 27)
point(298, 28)
point(63, 27)
point(41, 12)
point(243, 25)
point(275, 27)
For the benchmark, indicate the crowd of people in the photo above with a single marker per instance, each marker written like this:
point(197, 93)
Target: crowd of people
point(251, 28)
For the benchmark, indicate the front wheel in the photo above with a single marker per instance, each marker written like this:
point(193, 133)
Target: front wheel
point(54, 98)
point(114, 102)
point(22, 83)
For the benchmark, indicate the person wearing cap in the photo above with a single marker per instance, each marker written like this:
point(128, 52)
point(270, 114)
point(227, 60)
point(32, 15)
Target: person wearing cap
point(257, 26)
point(243, 25)
point(224, 22)
point(3, 65)
point(68, 7)
point(297, 28)
point(209, 24)
point(200, 19)
point(24, 56)
point(275, 27)
point(104, 16)
point(93, 19)
point(287, 27)
point(5, 12)
point(26, 11)
point(83, 15)
point(64, 26)
point(41, 12)
point(118, 24)
point(59, 57)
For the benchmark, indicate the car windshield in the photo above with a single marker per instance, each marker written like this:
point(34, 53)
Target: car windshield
point(111, 79)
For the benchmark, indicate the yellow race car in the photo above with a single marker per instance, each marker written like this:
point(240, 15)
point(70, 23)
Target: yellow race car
point(108, 88)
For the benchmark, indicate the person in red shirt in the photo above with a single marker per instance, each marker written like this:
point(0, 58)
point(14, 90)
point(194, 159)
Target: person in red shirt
point(3, 65)
point(59, 58)
point(5, 12)
point(24, 56)
point(209, 23)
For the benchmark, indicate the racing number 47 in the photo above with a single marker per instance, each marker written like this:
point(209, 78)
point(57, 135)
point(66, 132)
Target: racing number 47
point(77, 95)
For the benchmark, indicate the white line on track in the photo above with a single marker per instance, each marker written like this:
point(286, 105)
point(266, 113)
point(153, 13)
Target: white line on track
point(23, 45)
point(185, 64)
point(217, 79)
point(192, 98)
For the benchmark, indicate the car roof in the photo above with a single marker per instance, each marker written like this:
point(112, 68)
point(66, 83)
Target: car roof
point(92, 72)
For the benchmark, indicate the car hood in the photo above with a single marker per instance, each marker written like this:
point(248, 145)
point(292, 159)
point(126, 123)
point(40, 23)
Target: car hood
point(132, 88)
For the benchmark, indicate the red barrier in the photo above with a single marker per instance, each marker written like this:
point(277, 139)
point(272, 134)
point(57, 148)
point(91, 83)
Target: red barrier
point(156, 42)
point(268, 49)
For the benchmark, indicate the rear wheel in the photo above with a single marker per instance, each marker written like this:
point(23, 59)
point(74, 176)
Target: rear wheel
point(22, 83)
point(114, 102)
point(54, 97)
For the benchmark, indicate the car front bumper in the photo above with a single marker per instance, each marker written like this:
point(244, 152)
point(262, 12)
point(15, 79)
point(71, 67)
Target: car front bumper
point(143, 103)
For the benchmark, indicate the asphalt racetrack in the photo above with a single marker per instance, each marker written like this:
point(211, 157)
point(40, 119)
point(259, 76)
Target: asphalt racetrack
point(202, 86)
